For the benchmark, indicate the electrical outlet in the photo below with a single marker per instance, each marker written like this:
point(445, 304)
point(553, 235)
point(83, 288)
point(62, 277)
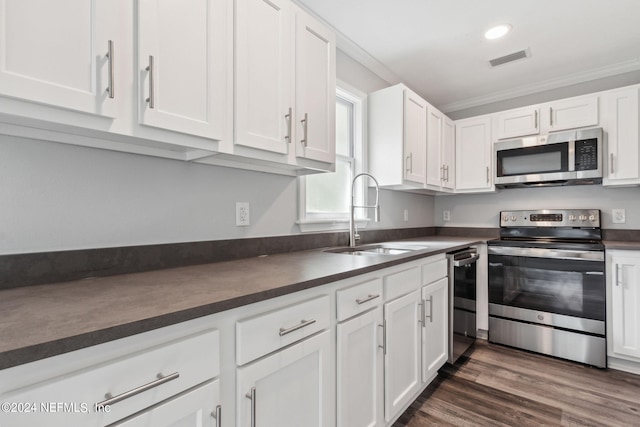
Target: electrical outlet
point(242, 214)
point(446, 215)
point(406, 214)
point(619, 216)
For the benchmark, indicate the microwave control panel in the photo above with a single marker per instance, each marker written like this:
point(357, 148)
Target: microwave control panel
point(586, 155)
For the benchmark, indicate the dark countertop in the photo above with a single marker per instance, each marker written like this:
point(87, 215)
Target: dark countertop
point(622, 244)
point(46, 320)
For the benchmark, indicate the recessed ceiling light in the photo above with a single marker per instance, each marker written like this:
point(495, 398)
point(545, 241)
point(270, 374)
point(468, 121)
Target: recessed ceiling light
point(497, 31)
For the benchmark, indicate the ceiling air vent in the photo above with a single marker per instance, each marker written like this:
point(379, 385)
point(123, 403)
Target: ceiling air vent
point(510, 58)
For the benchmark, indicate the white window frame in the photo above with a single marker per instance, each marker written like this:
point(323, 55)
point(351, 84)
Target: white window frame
point(332, 222)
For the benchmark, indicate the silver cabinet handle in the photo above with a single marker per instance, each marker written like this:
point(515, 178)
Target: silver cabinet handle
point(384, 337)
point(111, 400)
point(300, 325)
point(305, 126)
point(617, 275)
point(289, 118)
point(422, 314)
point(612, 170)
point(217, 415)
point(367, 299)
point(252, 396)
point(535, 122)
point(430, 316)
point(488, 174)
point(442, 173)
point(550, 116)
point(409, 162)
point(446, 169)
point(111, 89)
point(151, 99)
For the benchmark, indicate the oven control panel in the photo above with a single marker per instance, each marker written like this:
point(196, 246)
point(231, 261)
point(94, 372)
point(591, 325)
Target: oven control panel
point(551, 218)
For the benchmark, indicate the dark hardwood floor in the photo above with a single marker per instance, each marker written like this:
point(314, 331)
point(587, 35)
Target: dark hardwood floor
point(501, 386)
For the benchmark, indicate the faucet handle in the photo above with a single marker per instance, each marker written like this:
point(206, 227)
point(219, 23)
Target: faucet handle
point(356, 236)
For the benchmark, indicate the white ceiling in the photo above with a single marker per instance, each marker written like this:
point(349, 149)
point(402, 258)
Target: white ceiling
point(437, 47)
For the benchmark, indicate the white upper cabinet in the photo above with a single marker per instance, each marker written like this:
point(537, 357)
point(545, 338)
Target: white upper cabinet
point(569, 113)
point(285, 70)
point(473, 155)
point(622, 163)
point(62, 54)
point(315, 89)
point(415, 137)
point(181, 67)
point(440, 151)
point(517, 122)
point(398, 137)
point(263, 99)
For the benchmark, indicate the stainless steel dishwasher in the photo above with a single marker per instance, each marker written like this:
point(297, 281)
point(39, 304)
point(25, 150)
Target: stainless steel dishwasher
point(462, 301)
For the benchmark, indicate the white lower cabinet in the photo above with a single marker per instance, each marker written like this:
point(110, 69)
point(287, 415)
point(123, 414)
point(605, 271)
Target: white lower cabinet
point(359, 370)
point(113, 390)
point(198, 407)
point(623, 309)
point(434, 328)
point(402, 353)
point(288, 387)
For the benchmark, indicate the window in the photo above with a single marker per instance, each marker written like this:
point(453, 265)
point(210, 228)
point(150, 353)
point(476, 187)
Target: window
point(325, 197)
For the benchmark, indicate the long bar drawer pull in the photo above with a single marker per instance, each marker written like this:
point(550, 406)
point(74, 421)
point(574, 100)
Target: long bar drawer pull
point(111, 400)
point(300, 325)
point(217, 415)
point(252, 396)
point(367, 299)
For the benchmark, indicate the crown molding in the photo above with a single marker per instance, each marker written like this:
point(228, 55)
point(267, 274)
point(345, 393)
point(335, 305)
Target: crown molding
point(581, 77)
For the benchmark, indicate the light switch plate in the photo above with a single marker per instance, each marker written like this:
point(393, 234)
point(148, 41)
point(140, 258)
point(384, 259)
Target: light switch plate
point(619, 216)
point(446, 215)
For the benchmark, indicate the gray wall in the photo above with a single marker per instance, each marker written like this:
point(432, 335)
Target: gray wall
point(481, 210)
point(58, 197)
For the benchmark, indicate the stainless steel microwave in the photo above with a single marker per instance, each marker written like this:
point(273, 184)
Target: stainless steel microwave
point(563, 158)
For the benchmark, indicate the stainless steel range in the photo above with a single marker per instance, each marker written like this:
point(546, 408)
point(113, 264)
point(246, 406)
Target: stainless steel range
point(547, 289)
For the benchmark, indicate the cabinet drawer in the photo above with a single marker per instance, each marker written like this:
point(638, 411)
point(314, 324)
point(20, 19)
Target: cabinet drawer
point(132, 379)
point(264, 333)
point(401, 283)
point(434, 271)
point(358, 298)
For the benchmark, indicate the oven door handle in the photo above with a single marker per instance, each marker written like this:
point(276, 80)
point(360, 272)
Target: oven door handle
point(466, 261)
point(565, 254)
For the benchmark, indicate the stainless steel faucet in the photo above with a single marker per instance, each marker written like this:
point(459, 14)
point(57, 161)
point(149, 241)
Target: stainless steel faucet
point(353, 231)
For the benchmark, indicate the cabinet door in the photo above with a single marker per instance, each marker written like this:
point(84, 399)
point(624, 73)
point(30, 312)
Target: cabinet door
point(288, 388)
point(473, 155)
point(622, 126)
point(56, 53)
point(315, 89)
point(570, 113)
point(402, 352)
point(625, 304)
point(263, 75)
point(435, 328)
point(518, 122)
point(182, 48)
point(415, 137)
point(359, 371)
point(448, 153)
point(435, 166)
point(198, 407)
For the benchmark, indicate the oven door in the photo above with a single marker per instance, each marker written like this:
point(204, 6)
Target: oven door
point(558, 281)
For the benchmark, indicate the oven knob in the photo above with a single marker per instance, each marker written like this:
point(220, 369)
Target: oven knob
point(592, 217)
point(582, 218)
point(572, 217)
point(505, 218)
point(513, 218)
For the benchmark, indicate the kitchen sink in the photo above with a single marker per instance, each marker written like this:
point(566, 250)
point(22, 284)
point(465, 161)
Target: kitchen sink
point(379, 249)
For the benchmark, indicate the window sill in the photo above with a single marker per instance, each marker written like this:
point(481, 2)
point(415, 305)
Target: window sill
point(317, 225)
